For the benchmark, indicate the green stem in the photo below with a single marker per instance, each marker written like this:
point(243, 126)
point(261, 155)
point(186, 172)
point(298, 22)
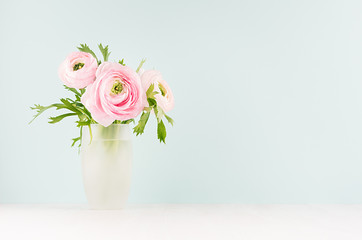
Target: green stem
point(90, 133)
point(141, 64)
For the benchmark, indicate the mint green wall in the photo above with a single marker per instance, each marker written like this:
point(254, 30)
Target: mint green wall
point(268, 98)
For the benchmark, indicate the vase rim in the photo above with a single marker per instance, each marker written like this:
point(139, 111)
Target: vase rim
point(112, 132)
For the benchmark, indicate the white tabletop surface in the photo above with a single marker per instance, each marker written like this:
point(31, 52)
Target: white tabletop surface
point(182, 221)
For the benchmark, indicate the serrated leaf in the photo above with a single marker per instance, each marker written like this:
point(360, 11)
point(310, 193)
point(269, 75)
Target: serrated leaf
point(169, 119)
point(140, 127)
point(40, 109)
point(75, 107)
point(150, 93)
point(161, 131)
point(104, 51)
point(85, 48)
point(60, 117)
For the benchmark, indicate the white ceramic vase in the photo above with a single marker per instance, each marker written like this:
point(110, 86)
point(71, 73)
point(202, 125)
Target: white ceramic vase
point(106, 165)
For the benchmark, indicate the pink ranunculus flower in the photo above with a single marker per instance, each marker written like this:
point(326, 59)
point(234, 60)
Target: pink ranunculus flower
point(115, 95)
point(165, 97)
point(78, 70)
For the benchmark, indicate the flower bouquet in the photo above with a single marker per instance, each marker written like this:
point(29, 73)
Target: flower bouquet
point(108, 97)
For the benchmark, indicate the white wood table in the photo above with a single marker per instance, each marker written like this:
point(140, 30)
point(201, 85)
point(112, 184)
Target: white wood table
point(182, 221)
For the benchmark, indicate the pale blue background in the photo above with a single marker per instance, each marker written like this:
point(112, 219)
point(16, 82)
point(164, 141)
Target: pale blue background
point(268, 98)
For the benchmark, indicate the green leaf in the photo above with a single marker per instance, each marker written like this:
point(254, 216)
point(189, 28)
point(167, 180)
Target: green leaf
point(150, 90)
point(104, 51)
point(169, 119)
point(75, 91)
point(77, 94)
point(70, 106)
point(85, 48)
point(140, 65)
point(161, 131)
point(60, 117)
point(122, 62)
point(74, 107)
point(140, 127)
point(40, 109)
point(152, 102)
point(150, 93)
point(83, 109)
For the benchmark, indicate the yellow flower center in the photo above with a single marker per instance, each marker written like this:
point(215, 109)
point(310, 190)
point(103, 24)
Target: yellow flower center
point(78, 66)
point(117, 87)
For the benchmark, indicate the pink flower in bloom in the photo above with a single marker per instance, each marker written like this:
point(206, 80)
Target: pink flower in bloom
point(165, 97)
point(115, 95)
point(78, 70)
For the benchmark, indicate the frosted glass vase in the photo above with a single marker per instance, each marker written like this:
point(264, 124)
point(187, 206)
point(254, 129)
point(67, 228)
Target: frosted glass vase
point(106, 165)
